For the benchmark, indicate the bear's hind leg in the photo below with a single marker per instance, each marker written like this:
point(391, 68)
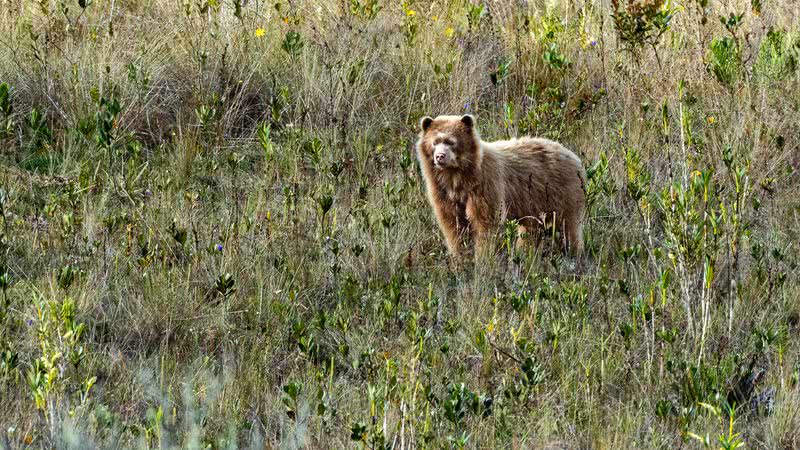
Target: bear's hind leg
point(573, 227)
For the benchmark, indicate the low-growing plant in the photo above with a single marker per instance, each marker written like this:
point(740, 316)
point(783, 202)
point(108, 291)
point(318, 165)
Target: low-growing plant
point(365, 9)
point(778, 56)
point(640, 23)
point(554, 58)
point(501, 72)
point(410, 27)
point(39, 134)
point(724, 60)
point(728, 439)
point(6, 111)
point(293, 44)
point(475, 13)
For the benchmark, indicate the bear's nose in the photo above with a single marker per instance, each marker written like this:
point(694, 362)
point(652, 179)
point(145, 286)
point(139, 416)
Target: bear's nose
point(439, 157)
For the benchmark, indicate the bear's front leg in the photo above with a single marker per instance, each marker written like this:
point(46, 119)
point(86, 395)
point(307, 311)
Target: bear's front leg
point(483, 220)
point(453, 226)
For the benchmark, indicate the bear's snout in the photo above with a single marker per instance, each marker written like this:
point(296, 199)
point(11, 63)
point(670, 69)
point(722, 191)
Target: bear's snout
point(442, 156)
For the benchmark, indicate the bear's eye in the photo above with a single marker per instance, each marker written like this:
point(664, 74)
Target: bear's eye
point(449, 142)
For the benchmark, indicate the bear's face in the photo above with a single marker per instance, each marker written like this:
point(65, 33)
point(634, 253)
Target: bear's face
point(449, 142)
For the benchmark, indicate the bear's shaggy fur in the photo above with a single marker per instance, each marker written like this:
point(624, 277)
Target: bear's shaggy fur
point(474, 186)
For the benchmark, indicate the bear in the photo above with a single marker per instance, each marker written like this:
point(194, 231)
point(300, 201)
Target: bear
point(474, 186)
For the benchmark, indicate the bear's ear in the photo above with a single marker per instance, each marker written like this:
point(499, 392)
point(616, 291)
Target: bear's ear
point(468, 120)
point(425, 123)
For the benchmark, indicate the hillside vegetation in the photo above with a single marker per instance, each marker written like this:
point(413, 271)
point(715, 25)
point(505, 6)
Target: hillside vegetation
point(215, 233)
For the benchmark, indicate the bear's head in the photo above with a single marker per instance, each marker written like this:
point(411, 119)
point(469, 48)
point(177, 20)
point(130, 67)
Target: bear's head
point(449, 143)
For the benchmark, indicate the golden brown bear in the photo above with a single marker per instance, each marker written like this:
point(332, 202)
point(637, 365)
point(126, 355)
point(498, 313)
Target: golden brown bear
point(474, 186)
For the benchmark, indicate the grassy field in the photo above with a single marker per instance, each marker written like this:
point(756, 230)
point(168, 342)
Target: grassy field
point(215, 232)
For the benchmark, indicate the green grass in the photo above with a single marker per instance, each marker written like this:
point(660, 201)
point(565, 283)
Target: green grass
point(215, 239)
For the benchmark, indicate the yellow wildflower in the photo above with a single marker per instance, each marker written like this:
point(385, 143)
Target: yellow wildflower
point(711, 120)
point(434, 18)
point(449, 32)
point(260, 32)
point(411, 13)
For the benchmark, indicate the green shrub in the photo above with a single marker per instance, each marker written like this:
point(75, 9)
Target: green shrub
point(724, 60)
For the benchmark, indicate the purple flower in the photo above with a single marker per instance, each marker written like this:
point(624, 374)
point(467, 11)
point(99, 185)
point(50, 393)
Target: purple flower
point(218, 247)
point(467, 106)
point(29, 322)
point(593, 43)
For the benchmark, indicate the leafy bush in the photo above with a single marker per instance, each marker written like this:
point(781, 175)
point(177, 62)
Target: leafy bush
point(724, 61)
point(640, 23)
point(778, 56)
